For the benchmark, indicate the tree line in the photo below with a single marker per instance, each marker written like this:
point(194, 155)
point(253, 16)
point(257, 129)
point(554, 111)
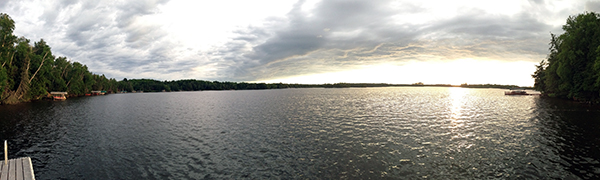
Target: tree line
point(572, 68)
point(150, 85)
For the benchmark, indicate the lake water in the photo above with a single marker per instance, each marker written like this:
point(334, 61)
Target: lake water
point(354, 133)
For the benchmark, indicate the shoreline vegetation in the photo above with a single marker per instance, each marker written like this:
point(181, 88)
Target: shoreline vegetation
point(149, 85)
point(572, 69)
point(30, 72)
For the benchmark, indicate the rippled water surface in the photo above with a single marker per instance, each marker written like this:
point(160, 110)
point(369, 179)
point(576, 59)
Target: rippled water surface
point(356, 133)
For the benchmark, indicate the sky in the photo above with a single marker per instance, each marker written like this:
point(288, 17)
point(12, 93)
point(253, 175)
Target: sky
point(301, 41)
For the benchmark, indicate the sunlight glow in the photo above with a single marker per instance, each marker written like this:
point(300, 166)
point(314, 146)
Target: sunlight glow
point(431, 72)
point(457, 98)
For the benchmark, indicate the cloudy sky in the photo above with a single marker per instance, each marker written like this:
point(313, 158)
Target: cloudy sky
point(301, 41)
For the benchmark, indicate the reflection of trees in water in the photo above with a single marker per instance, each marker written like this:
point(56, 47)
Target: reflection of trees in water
point(569, 137)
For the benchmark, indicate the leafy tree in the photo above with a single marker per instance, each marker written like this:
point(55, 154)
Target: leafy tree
point(572, 69)
point(540, 76)
point(7, 51)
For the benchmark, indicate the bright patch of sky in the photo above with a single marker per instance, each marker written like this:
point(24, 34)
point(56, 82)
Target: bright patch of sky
point(203, 24)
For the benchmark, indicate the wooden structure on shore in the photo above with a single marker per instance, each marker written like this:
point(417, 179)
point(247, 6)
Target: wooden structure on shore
point(59, 95)
point(16, 169)
point(95, 93)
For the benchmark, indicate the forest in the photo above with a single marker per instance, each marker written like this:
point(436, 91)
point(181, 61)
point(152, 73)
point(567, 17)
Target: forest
point(29, 72)
point(572, 68)
point(150, 85)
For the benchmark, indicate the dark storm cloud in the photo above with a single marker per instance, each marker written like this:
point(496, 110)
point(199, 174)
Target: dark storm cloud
point(478, 23)
point(3, 4)
point(50, 14)
point(592, 6)
point(138, 34)
point(486, 35)
point(82, 28)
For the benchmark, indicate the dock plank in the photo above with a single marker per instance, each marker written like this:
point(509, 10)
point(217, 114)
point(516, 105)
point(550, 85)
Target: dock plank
point(4, 175)
point(1, 166)
point(19, 169)
point(28, 169)
point(11, 169)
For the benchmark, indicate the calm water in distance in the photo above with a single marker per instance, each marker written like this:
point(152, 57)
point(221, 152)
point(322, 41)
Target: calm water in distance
point(355, 133)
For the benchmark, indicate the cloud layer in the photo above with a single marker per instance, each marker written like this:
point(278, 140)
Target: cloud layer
point(131, 39)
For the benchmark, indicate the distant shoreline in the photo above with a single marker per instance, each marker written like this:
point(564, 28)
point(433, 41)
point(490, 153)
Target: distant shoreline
point(150, 85)
point(142, 86)
point(343, 85)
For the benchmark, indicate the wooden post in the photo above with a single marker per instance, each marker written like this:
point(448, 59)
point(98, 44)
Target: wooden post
point(5, 153)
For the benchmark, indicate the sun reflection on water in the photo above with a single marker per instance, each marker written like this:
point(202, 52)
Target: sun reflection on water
point(458, 122)
point(457, 100)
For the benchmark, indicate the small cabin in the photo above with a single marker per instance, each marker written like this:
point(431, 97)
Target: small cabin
point(59, 95)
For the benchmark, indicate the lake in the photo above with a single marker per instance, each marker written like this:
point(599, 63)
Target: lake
point(353, 133)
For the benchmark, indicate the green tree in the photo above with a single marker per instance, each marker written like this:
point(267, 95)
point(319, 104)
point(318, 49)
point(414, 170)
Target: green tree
point(573, 63)
point(41, 64)
point(7, 51)
point(540, 76)
point(30, 72)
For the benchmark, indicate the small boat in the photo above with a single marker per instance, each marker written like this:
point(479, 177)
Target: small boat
point(516, 92)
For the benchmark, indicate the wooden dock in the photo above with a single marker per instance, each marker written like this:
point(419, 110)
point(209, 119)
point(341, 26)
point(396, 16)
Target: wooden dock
point(17, 169)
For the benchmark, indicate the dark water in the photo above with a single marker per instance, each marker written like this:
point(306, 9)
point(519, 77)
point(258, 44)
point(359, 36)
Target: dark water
point(370, 133)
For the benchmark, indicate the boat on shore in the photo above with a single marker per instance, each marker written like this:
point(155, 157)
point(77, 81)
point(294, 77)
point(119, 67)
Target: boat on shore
point(96, 93)
point(516, 92)
point(59, 95)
